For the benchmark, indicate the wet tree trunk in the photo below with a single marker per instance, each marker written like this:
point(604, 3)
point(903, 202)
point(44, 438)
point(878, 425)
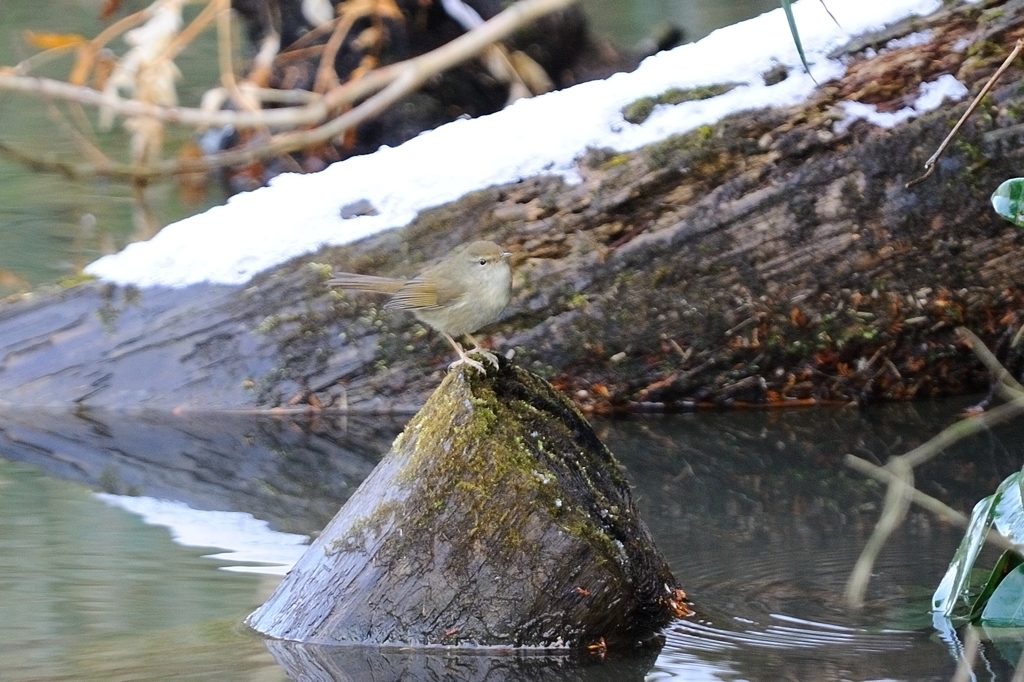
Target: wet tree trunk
point(497, 519)
point(772, 258)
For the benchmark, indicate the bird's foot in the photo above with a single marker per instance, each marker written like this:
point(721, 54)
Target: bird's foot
point(485, 355)
point(464, 359)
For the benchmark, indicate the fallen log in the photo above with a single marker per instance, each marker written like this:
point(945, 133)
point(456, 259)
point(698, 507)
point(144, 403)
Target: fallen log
point(498, 519)
point(772, 258)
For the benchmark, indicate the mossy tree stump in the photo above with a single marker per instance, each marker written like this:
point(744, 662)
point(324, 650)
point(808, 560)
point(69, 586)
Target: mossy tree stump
point(497, 519)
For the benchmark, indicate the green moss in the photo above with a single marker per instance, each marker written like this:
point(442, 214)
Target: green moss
point(577, 301)
point(615, 161)
point(364, 529)
point(497, 444)
point(705, 132)
point(688, 149)
point(1015, 106)
point(75, 280)
point(638, 111)
point(270, 323)
point(984, 48)
point(661, 275)
point(322, 270)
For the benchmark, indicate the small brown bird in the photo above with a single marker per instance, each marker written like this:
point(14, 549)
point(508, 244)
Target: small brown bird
point(457, 296)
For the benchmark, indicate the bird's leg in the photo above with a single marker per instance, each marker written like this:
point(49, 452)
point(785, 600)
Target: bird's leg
point(485, 354)
point(464, 358)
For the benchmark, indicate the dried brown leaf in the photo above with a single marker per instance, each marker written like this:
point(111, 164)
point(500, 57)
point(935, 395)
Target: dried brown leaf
point(52, 41)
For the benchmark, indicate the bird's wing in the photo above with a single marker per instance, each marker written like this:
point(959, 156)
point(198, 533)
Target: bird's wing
point(416, 293)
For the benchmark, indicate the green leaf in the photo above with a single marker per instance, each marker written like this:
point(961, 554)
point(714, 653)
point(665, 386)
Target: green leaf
point(952, 588)
point(1009, 515)
point(1005, 607)
point(788, 9)
point(1007, 201)
point(1006, 640)
point(1007, 562)
point(1005, 510)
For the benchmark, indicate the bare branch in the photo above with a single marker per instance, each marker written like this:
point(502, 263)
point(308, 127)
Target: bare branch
point(87, 56)
point(929, 165)
point(962, 429)
point(926, 502)
point(897, 502)
point(390, 84)
point(198, 25)
point(87, 148)
point(1008, 387)
point(884, 475)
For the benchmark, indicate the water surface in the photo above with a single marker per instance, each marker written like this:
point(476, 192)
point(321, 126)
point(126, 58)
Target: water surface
point(755, 512)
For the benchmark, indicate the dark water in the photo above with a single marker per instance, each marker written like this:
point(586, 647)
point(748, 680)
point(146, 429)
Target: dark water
point(52, 227)
point(755, 512)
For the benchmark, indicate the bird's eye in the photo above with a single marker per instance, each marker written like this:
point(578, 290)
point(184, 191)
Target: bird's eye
point(483, 261)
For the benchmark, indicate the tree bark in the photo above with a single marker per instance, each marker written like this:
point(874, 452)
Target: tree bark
point(497, 519)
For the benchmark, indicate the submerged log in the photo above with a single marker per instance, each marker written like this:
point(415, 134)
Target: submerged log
point(497, 519)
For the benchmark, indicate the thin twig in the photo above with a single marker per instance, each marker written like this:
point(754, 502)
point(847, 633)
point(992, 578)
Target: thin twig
point(391, 84)
point(303, 41)
point(33, 62)
point(897, 502)
point(884, 475)
point(1004, 380)
point(326, 75)
point(929, 165)
point(227, 70)
point(830, 13)
point(962, 429)
point(300, 54)
point(86, 146)
point(923, 500)
point(185, 37)
point(87, 56)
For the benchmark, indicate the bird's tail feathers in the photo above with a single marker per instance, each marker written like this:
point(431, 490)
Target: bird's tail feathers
point(354, 282)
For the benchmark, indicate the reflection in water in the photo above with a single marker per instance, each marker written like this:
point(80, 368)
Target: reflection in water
point(312, 662)
point(762, 525)
point(293, 473)
point(755, 512)
point(89, 593)
point(251, 546)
